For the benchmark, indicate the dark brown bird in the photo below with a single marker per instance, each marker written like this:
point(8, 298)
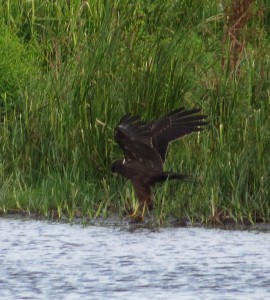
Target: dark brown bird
point(145, 145)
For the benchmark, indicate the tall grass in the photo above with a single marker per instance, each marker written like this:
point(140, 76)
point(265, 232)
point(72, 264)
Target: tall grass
point(76, 67)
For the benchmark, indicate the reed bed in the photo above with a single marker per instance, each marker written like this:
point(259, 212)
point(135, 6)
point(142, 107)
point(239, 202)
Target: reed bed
point(70, 69)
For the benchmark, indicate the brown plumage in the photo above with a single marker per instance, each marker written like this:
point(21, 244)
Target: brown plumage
point(145, 146)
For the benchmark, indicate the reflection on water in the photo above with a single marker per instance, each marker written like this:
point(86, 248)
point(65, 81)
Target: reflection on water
point(41, 260)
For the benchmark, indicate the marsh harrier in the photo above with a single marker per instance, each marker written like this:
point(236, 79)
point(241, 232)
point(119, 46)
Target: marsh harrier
point(145, 145)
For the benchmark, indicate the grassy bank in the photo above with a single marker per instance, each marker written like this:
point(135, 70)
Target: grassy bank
point(68, 72)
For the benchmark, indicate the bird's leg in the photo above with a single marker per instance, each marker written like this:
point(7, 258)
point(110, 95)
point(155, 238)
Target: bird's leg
point(138, 213)
point(143, 210)
point(134, 212)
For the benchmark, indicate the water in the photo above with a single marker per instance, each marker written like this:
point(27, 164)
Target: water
point(41, 260)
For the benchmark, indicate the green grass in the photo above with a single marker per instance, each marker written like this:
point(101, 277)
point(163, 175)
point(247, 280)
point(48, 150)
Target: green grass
point(69, 72)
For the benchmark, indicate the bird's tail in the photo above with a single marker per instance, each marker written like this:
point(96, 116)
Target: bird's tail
point(170, 176)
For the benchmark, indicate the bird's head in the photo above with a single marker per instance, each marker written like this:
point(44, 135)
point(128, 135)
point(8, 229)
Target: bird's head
point(116, 165)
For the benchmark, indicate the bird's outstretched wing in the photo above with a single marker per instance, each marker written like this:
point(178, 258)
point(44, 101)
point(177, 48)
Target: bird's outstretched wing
point(145, 145)
point(134, 138)
point(175, 125)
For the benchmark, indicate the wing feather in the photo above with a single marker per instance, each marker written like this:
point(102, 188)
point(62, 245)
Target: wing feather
point(175, 125)
point(134, 138)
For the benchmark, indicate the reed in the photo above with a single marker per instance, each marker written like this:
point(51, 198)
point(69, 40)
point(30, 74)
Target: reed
point(74, 68)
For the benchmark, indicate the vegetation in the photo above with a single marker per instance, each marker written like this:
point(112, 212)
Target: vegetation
point(70, 69)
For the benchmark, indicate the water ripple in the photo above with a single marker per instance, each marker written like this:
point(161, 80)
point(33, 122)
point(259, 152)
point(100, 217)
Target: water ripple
point(41, 260)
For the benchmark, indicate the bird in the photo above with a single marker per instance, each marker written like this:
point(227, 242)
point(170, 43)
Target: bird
point(145, 144)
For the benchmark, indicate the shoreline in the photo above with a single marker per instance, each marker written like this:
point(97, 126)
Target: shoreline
point(149, 223)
